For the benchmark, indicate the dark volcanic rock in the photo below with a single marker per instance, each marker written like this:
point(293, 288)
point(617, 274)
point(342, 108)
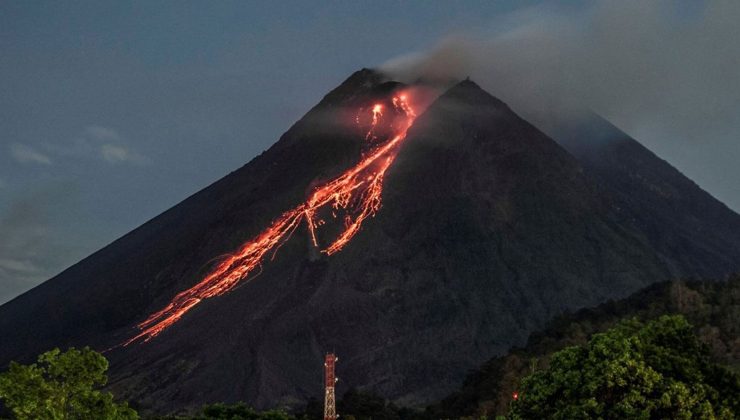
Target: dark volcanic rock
point(695, 234)
point(488, 229)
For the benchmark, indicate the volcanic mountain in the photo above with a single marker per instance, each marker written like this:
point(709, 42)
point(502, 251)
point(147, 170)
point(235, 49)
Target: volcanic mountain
point(487, 228)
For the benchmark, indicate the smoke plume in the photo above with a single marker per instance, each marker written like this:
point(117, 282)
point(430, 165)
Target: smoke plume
point(667, 73)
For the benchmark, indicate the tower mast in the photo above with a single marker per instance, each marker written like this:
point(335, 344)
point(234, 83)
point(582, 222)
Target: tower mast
point(330, 409)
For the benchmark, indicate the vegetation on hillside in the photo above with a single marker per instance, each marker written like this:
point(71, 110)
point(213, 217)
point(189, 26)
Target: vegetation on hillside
point(61, 386)
point(238, 411)
point(657, 370)
point(713, 308)
point(671, 350)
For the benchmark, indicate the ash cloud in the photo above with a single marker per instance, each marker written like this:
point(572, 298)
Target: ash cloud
point(668, 76)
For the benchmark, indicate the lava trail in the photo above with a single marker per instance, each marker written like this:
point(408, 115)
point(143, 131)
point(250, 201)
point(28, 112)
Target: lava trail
point(357, 192)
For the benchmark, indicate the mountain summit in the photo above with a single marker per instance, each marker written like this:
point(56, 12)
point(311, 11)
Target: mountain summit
point(477, 229)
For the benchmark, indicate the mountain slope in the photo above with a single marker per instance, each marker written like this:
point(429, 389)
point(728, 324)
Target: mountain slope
point(116, 286)
point(695, 233)
point(488, 229)
point(713, 308)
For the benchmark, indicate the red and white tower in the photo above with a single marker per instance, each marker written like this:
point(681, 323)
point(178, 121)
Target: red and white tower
point(330, 408)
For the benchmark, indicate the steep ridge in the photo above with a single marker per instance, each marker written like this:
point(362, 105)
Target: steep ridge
point(490, 228)
point(115, 286)
point(695, 234)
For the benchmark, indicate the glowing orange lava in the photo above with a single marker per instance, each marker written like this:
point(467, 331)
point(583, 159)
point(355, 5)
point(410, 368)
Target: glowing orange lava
point(377, 114)
point(357, 192)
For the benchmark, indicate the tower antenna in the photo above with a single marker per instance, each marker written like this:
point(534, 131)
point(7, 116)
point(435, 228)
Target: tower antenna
point(330, 408)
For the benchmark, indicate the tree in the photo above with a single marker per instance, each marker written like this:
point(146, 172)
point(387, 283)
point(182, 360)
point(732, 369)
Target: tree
point(61, 386)
point(635, 370)
point(363, 405)
point(238, 411)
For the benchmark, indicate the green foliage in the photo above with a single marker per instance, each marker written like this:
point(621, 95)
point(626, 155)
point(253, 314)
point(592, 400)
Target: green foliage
point(635, 370)
point(61, 386)
point(712, 307)
point(360, 405)
point(313, 410)
point(239, 411)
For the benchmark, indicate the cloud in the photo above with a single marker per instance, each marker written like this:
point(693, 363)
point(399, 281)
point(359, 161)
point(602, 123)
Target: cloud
point(109, 145)
point(26, 154)
point(101, 143)
point(23, 238)
point(117, 154)
point(30, 249)
point(19, 266)
point(102, 133)
point(667, 75)
point(631, 59)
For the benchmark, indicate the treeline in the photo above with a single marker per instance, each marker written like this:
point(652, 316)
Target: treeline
point(599, 363)
point(354, 405)
point(711, 307)
point(671, 350)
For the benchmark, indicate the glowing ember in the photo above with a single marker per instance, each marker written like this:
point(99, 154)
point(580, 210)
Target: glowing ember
point(377, 113)
point(357, 192)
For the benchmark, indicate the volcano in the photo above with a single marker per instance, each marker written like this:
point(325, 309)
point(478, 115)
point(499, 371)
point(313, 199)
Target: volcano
point(414, 234)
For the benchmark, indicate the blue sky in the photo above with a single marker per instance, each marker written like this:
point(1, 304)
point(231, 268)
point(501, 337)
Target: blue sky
point(113, 111)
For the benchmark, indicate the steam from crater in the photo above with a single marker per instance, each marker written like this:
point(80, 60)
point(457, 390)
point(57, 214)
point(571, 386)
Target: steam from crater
point(668, 73)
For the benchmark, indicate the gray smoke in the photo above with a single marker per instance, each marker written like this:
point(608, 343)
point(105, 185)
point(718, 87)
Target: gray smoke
point(667, 73)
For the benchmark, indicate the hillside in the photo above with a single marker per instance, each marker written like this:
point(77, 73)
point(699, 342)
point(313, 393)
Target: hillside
point(713, 308)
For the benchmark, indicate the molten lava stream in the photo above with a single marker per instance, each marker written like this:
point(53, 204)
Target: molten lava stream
point(357, 192)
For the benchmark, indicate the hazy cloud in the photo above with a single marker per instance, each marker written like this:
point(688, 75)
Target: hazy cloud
point(629, 58)
point(24, 153)
point(21, 266)
point(113, 153)
point(101, 143)
point(30, 249)
point(116, 154)
point(109, 145)
point(667, 75)
point(23, 239)
point(102, 133)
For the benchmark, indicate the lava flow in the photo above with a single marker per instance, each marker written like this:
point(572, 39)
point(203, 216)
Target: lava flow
point(357, 192)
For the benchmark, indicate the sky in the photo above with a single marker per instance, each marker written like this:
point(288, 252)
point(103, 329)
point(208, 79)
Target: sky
point(114, 111)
